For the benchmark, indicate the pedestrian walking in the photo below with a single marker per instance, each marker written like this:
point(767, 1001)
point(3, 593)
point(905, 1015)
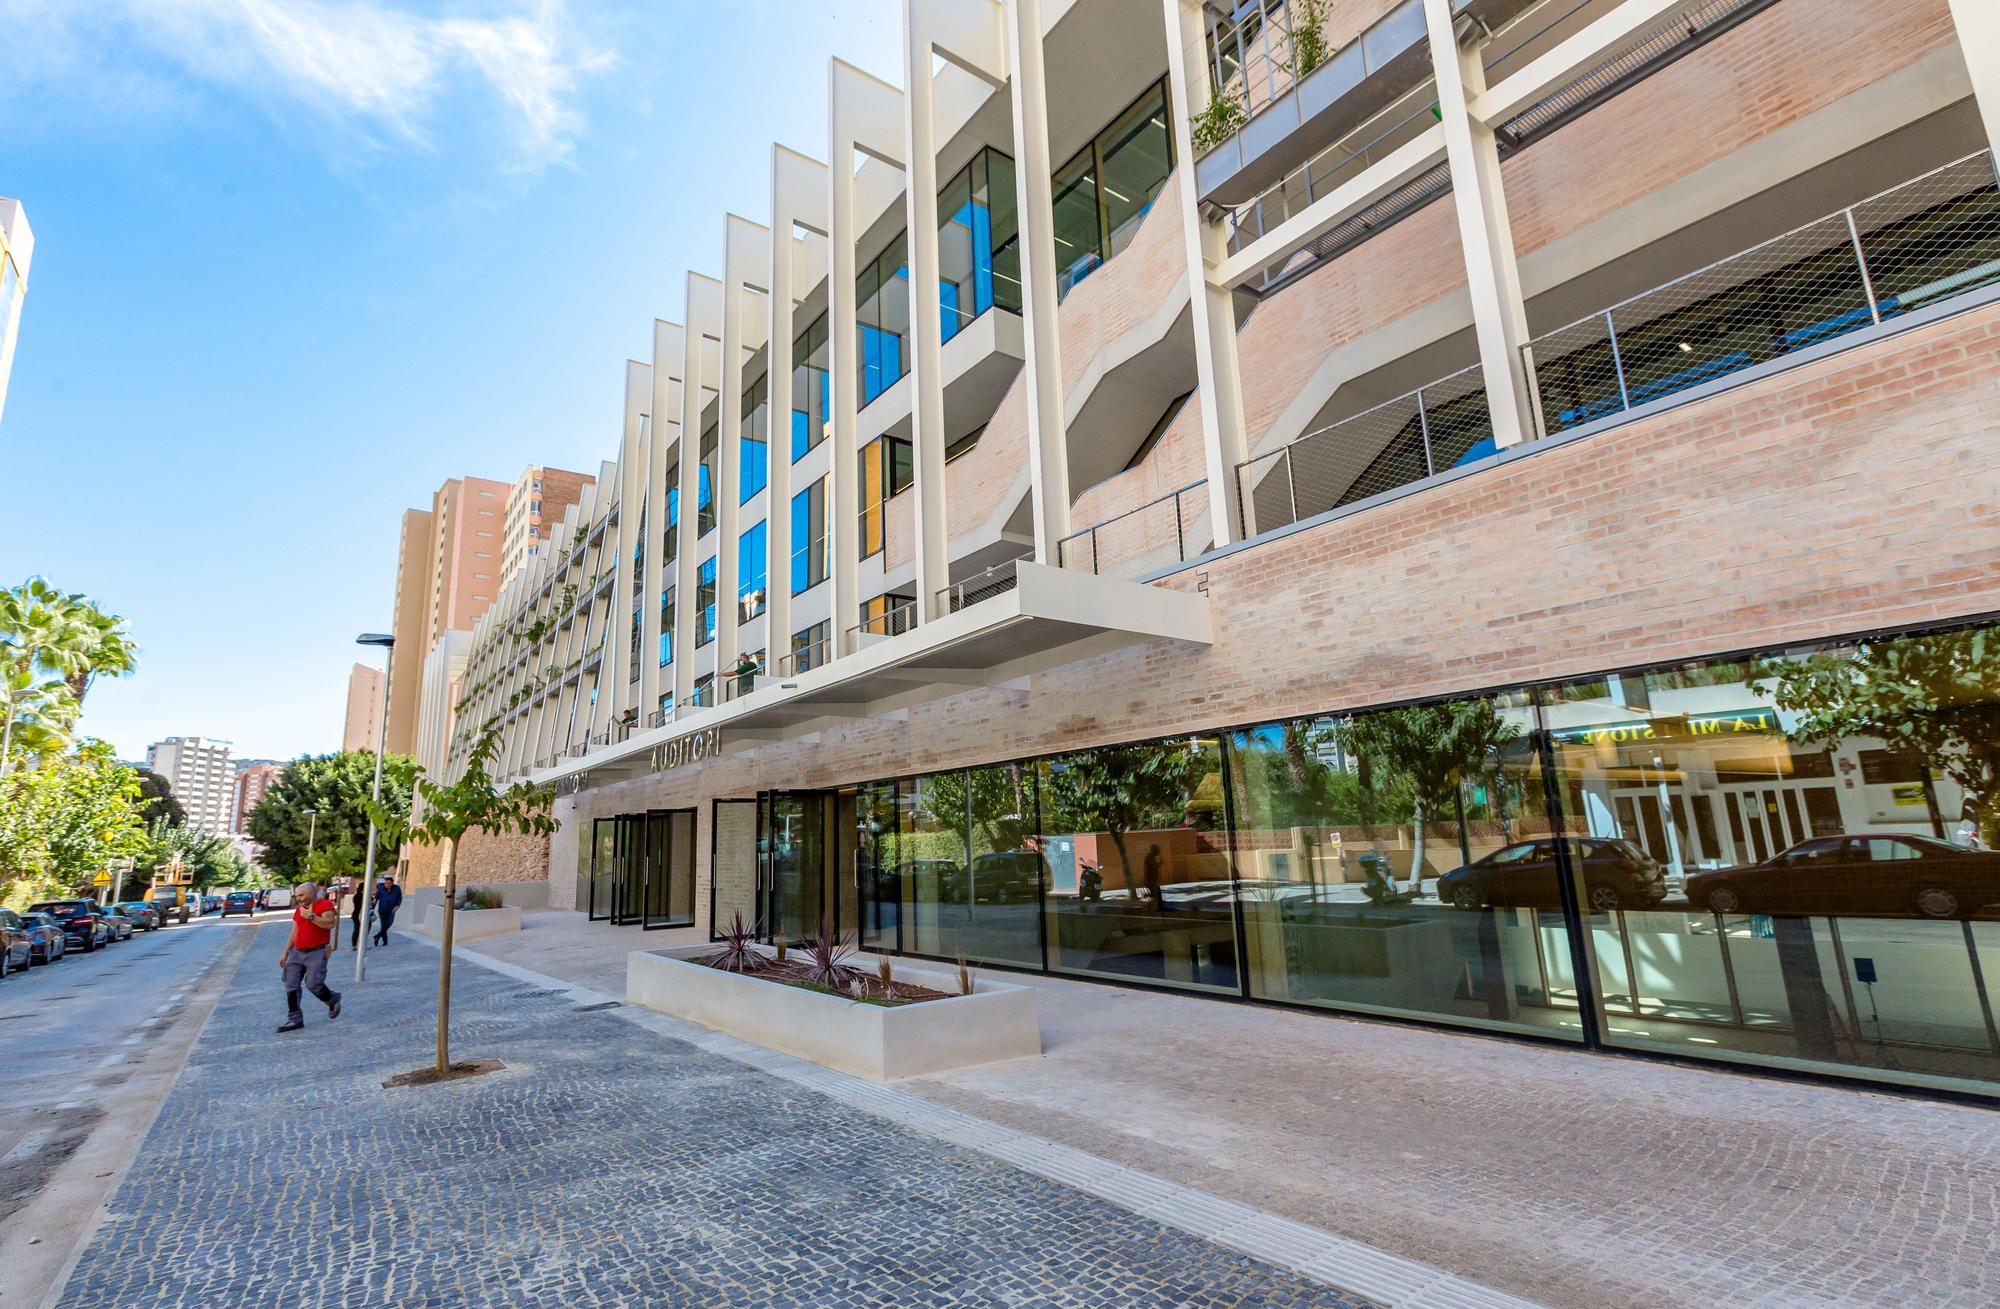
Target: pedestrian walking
point(388, 899)
point(303, 964)
point(354, 913)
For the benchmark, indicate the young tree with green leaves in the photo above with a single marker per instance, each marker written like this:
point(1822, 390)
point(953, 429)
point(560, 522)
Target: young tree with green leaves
point(1428, 748)
point(1120, 789)
point(474, 802)
point(69, 818)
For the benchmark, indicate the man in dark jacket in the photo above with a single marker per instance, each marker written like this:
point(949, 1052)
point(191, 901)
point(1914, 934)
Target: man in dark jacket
point(388, 898)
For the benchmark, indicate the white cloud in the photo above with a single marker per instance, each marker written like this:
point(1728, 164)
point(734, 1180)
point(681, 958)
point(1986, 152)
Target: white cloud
point(383, 70)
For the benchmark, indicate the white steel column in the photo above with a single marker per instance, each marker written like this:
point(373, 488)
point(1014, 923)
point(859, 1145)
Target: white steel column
point(704, 324)
point(669, 346)
point(1486, 237)
point(920, 185)
point(1034, 199)
point(1978, 23)
point(615, 671)
point(745, 261)
point(798, 199)
point(1219, 391)
point(863, 114)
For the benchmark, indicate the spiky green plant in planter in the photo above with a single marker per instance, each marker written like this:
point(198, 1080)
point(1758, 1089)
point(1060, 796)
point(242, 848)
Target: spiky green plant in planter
point(737, 951)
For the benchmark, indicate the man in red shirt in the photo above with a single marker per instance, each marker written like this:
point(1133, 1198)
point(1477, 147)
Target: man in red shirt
point(314, 918)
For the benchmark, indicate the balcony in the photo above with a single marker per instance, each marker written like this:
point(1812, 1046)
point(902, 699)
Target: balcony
point(1024, 618)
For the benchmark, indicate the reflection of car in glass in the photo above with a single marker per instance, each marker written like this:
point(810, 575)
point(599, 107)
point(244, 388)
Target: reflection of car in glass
point(1616, 875)
point(1001, 877)
point(1877, 874)
point(922, 880)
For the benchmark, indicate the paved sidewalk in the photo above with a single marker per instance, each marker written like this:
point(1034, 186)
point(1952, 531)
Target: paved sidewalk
point(605, 1166)
point(1569, 1179)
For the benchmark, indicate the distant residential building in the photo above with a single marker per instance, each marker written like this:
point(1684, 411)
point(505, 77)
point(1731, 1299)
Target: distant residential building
point(443, 685)
point(203, 779)
point(447, 573)
point(248, 792)
point(17, 248)
point(364, 708)
point(536, 503)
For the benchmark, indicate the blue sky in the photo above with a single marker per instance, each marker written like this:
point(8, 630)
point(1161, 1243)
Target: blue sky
point(298, 262)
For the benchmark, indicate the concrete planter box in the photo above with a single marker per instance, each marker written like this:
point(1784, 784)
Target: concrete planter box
point(471, 924)
point(997, 1021)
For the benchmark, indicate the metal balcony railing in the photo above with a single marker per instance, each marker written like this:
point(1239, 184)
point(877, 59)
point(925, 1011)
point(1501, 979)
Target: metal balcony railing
point(983, 585)
point(901, 619)
point(1913, 245)
point(1425, 432)
point(1158, 534)
point(805, 658)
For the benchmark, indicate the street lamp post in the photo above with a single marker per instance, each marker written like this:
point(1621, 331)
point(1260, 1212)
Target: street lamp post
point(387, 643)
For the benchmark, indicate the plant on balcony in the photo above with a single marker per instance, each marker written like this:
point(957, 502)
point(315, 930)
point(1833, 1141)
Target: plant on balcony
point(737, 952)
point(1222, 118)
point(826, 959)
point(1308, 36)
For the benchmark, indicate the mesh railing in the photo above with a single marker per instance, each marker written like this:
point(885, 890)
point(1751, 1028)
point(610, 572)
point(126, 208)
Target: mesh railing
point(805, 658)
point(1158, 534)
point(895, 622)
point(983, 585)
point(1432, 429)
point(1911, 246)
point(1252, 55)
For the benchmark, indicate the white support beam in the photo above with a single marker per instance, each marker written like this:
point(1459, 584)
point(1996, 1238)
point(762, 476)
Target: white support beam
point(1978, 23)
point(1578, 53)
point(926, 379)
point(798, 199)
point(1048, 436)
point(704, 327)
point(633, 463)
point(1219, 390)
point(669, 349)
point(1485, 235)
point(864, 115)
point(746, 262)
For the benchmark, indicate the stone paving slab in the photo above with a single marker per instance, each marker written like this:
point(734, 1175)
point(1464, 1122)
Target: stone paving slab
point(607, 1165)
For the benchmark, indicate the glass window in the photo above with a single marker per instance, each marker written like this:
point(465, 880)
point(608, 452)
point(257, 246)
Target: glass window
point(705, 476)
point(1801, 874)
point(704, 690)
point(1138, 865)
point(887, 470)
point(1137, 153)
point(671, 548)
point(751, 581)
point(811, 403)
point(979, 257)
point(704, 599)
point(1077, 235)
point(882, 299)
point(888, 614)
point(810, 549)
point(753, 473)
point(812, 646)
point(667, 626)
point(877, 853)
point(1403, 862)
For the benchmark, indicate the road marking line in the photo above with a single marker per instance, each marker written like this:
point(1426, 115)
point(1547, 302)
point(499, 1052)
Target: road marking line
point(132, 1040)
point(69, 1104)
point(109, 1059)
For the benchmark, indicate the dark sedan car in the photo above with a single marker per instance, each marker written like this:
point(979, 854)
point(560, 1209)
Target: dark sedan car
point(1872, 874)
point(81, 922)
point(47, 936)
point(16, 946)
point(240, 902)
point(1616, 875)
point(121, 923)
point(143, 914)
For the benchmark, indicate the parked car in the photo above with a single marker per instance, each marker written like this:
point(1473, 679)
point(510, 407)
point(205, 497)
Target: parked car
point(16, 946)
point(240, 902)
point(143, 915)
point(1616, 875)
point(278, 897)
point(1868, 874)
point(50, 941)
point(120, 922)
point(210, 903)
point(81, 923)
point(172, 903)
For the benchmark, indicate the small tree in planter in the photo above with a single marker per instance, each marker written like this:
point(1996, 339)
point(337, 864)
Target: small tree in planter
point(473, 803)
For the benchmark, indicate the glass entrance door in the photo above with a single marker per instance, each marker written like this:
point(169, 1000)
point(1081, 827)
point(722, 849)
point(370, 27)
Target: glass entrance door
point(794, 855)
point(667, 850)
point(603, 878)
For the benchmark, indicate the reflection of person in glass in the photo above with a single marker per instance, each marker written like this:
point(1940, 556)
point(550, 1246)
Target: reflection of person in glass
point(1155, 869)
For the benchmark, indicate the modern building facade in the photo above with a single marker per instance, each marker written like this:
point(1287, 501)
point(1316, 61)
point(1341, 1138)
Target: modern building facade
point(447, 573)
point(247, 792)
point(362, 726)
point(17, 252)
point(202, 777)
point(1469, 511)
point(538, 500)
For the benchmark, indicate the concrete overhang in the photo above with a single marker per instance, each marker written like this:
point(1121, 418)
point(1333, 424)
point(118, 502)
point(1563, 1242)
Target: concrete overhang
point(1051, 616)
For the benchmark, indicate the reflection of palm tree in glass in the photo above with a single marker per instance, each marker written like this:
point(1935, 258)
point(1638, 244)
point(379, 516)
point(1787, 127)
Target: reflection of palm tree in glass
point(1429, 748)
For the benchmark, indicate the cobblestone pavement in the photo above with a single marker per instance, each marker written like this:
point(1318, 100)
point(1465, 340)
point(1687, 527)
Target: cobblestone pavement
point(605, 1166)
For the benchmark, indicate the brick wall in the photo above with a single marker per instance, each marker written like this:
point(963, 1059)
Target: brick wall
point(482, 858)
point(1856, 492)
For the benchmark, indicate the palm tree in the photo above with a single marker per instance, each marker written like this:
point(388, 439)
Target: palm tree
point(63, 633)
point(36, 713)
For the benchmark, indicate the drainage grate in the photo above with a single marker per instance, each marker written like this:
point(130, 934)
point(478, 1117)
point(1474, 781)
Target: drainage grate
point(608, 1004)
point(535, 995)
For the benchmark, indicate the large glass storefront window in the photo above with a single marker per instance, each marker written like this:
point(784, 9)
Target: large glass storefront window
point(1822, 824)
point(1105, 189)
point(1139, 887)
point(1403, 862)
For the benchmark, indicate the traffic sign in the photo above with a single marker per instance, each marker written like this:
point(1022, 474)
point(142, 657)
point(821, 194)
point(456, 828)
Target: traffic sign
point(102, 879)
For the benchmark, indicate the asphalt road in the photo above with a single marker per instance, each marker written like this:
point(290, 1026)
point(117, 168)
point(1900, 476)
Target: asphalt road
point(89, 1046)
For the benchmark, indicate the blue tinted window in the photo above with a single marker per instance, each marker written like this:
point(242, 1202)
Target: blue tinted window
point(750, 574)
